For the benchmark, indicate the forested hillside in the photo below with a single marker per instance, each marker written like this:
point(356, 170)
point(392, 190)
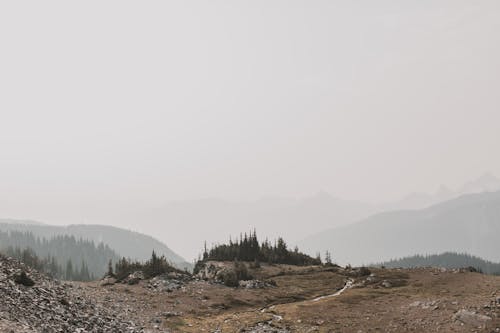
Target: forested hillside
point(446, 260)
point(71, 255)
point(126, 243)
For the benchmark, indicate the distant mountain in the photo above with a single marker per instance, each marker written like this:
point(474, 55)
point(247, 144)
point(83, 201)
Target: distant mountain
point(126, 243)
point(214, 220)
point(485, 183)
point(446, 260)
point(470, 223)
point(14, 221)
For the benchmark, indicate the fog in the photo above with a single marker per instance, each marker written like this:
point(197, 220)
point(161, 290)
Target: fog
point(109, 110)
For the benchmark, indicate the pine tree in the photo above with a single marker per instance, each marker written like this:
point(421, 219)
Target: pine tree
point(328, 258)
point(110, 268)
point(69, 270)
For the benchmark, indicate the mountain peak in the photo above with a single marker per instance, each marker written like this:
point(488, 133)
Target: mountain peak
point(486, 182)
point(488, 177)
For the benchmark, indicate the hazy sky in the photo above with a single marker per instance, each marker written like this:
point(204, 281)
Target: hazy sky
point(109, 106)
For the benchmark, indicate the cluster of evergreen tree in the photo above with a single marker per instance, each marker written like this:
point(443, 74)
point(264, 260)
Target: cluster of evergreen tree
point(248, 248)
point(49, 265)
point(76, 258)
point(446, 260)
point(155, 266)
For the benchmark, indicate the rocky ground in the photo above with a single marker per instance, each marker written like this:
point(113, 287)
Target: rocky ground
point(281, 299)
point(32, 302)
point(307, 299)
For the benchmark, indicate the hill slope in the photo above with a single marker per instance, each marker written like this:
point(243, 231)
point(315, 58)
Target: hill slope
point(470, 224)
point(40, 304)
point(53, 255)
point(126, 243)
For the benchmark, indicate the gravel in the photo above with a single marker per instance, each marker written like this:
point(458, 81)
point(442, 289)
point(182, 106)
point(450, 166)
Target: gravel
point(50, 305)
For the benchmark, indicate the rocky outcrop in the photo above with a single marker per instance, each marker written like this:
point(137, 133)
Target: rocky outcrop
point(33, 302)
point(134, 278)
point(256, 284)
point(168, 282)
point(107, 280)
point(212, 271)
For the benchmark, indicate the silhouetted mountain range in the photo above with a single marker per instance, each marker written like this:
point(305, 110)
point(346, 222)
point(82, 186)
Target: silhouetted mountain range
point(470, 223)
point(214, 220)
point(485, 183)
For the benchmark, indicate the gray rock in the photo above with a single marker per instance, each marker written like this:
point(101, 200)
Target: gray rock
point(134, 278)
point(254, 284)
point(50, 306)
point(107, 281)
point(471, 318)
point(386, 284)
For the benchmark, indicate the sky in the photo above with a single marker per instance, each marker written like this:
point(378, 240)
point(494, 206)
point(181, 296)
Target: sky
point(108, 107)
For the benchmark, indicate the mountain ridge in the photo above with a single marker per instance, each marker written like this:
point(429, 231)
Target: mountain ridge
point(125, 242)
point(468, 223)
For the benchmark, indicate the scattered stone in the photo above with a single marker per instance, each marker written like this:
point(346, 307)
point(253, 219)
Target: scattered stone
point(433, 305)
point(255, 284)
point(49, 305)
point(168, 282)
point(265, 328)
point(169, 314)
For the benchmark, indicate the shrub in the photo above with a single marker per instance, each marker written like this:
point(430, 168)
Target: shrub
point(241, 271)
point(255, 264)
point(24, 279)
point(363, 271)
point(230, 279)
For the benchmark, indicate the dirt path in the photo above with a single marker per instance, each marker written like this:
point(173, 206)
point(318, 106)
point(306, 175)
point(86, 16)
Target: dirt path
point(347, 285)
point(424, 300)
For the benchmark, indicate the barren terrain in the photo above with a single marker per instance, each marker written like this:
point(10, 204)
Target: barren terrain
point(383, 300)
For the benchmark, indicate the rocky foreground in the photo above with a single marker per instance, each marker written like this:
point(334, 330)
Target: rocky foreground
point(32, 302)
point(279, 299)
point(289, 299)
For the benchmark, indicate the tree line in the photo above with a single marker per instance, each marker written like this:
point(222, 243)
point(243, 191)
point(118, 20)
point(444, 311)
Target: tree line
point(155, 266)
point(49, 265)
point(62, 256)
point(445, 260)
point(248, 248)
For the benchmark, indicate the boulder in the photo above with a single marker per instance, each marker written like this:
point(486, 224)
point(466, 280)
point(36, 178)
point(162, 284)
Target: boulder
point(167, 282)
point(107, 281)
point(386, 284)
point(471, 318)
point(134, 277)
point(254, 284)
